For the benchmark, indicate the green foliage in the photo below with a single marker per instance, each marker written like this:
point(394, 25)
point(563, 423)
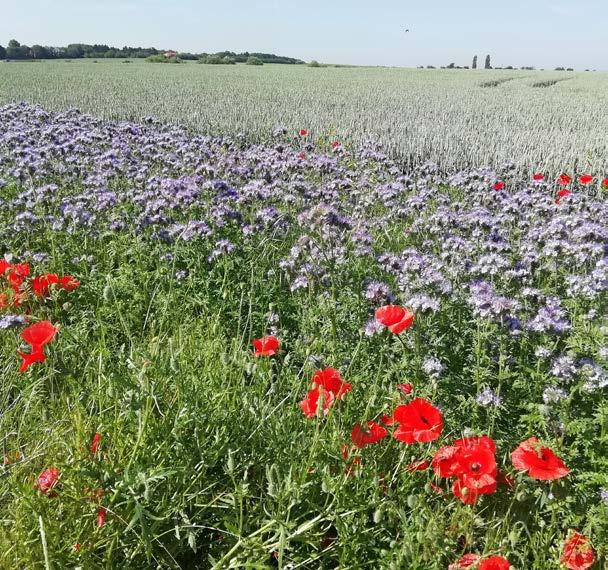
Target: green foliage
point(252, 60)
point(264, 57)
point(216, 60)
point(17, 51)
point(162, 59)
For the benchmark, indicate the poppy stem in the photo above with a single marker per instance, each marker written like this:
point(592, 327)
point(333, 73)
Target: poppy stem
point(45, 549)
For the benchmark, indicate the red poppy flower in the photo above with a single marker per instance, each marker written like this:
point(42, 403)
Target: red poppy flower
point(3, 301)
point(445, 461)
point(95, 443)
point(39, 334)
point(76, 546)
point(499, 185)
point(564, 179)
point(396, 318)
point(101, 516)
point(302, 155)
point(419, 421)
point(21, 270)
point(495, 563)
point(266, 346)
point(562, 194)
point(4, 266)
point(406, 388)
point(367, 434)
point(471, 460)
point(578, 553)
point(27, 359)
point(422, 465)
point(477, 440)
point(585, 179)
point(389, 315)
point(303, 132)
point(336, 145)
point(466, 561)
point(17, 275)
point(41, 285)
point(47, 480)
point(605, 183)
point(474, 461)
point(310, 404)
point(540, 462)
point(330, 379)
point(468, 489)
point(68, 283)
point(36, 335)
point(387, 420)
point(537, 177)
point(469, 455)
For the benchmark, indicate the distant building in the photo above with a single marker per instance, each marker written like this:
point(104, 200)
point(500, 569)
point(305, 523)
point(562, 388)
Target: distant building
point(170, 53)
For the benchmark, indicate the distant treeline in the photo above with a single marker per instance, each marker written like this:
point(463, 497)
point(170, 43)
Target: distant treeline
point(15, 50)
point(243, 57)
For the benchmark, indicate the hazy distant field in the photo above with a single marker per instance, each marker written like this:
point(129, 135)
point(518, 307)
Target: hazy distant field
point(456, 118)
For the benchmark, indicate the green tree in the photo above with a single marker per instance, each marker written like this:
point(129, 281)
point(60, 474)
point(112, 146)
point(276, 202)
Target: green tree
point(474, 66)
point(488, 62)
point(17, 51)
point(40, 52)
point(74, 51)
point(2, 52)
point(216, 59)
point(252, 60)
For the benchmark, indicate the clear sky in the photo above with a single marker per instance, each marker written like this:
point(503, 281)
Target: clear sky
point(543, 33)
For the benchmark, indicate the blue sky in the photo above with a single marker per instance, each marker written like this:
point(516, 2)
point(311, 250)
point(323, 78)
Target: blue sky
point(544, 33)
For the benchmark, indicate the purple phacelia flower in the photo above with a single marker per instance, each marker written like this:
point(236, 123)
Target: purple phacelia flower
point(488, 398)
point(300, 282)
point(553, 394)
point(12, 321)
point(564, 368)
point(424, 303)
point(373, 327)
point(377, 292)
point(222, 247)
point(542, 352)
point(432, 367)
point(550, 319)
